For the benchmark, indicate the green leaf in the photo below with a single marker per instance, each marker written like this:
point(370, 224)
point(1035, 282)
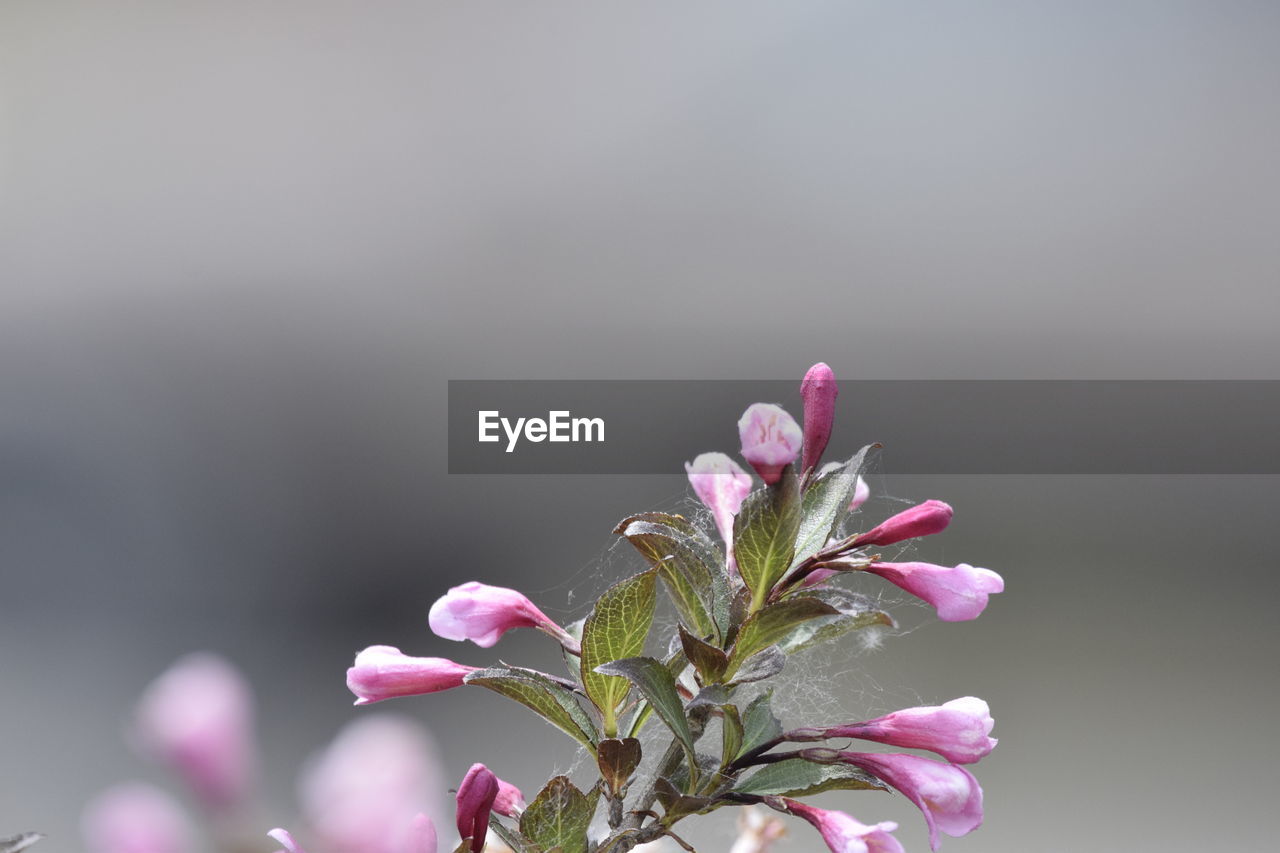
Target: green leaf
point(659, 688)
point(553, 702)
point(688, 563)
point(731, 734)
point(709, 661)
point(766, 627)
point(764, 535)
point(796, 777)
point(826, 505)
point(616, 629)
point(559, 817)
point(761, 665)
point(831, 628)
point(759, 725)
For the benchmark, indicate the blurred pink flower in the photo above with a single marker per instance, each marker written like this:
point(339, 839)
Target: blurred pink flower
point(365, 792)
point(422, 835)
point(771, 439)
point(476, 797)
point(921, 520)
point(722, 485)
point(385, 672)
point(844, 834)
point(482, 613)
point(197, 717)
point(136, 818)
point(957, 730)
point(958, 593)
point(949, 796)
point(819, 391)
point(757, 830)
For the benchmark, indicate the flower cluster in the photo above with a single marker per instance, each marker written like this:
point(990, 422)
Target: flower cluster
point(766, 590)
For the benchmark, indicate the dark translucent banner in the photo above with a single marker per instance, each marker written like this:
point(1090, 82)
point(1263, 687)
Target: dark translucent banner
point(926, 427)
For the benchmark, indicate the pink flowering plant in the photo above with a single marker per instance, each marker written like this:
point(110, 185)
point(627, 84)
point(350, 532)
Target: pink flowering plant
point(759, 587)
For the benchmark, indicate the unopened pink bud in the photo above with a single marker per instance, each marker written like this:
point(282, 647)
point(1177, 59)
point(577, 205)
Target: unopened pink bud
point(949, 796)
point(198, 718)
point(819, 391)
point(921, 520)
point(136, 818)
point(845, 834)
point(861, 491)
point(476, 797)
point(510, 801)
point(958, 593)
point(722, 485)
point(957, 730)
point(385, 672)
point(483, 613)
point(286, 840)
point(771, 439)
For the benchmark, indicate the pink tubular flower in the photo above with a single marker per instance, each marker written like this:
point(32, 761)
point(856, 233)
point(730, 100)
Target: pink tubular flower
point(949, 796)
point(136, 818)
point(197, 718)
point(771, 439)
point(958, 594)
point(921, 520)
point(385, 672)
point(722, 485)
point(476, 797)
point(510, 800)
point(844, 834)
point(483, 613)
point(819, 391)
point(364, 792)
point(957, 730)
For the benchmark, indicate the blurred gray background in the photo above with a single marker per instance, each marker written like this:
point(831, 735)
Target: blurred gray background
point(245, 245)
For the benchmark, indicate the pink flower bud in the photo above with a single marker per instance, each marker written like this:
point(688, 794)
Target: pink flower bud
point(843, 833)
point(818, 390)
point(198, 718)
point(949, 796)
point(286, 840)
point(722, 485)
point(771, 439)
point(921, 520)
point(364, 792)
point(136, 818)
point(385, 672)
point(861, 492)
point(958, 594)
point(510, 801)
point(476, 796)
point(483, 613)
point(957, 730)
